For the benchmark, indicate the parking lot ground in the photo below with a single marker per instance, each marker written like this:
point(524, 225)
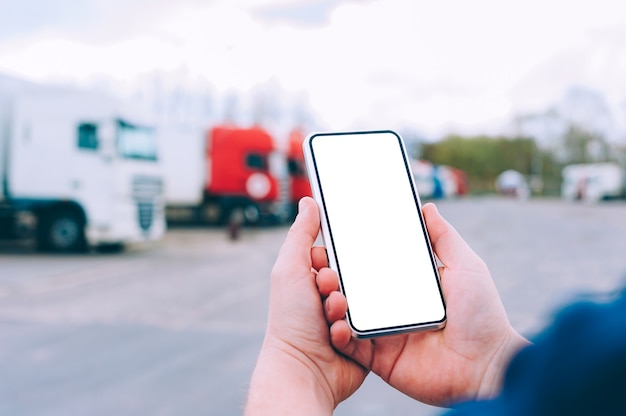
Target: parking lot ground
point(174, 328)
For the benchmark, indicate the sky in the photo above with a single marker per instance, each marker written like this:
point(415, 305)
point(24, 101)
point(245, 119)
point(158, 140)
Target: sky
point(438, 66)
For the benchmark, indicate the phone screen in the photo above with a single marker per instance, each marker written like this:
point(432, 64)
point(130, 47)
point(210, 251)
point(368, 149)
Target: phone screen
point(374, 232)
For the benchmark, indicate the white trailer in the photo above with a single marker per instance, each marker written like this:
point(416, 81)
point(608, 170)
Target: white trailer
point(512, 183)
point(592, 182)
point(183, 154)
point(75, 170)
point(423, 174)
point(434, 181)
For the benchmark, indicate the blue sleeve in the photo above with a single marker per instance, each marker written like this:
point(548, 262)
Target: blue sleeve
point(575, 367)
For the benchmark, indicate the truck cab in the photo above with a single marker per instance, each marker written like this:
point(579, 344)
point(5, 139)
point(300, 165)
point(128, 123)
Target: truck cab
point(300, 186)
point(246, 176)
point(77, 171)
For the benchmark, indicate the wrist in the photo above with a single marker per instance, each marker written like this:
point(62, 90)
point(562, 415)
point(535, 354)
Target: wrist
point(284, 381)
point(493, 378)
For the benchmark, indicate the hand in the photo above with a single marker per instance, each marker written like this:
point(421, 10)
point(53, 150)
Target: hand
point(298, 371)
point(463, 361)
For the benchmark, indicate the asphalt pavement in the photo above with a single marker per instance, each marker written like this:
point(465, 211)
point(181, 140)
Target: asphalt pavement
point(173, 328)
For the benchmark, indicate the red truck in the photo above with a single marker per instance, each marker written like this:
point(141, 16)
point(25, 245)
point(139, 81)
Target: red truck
point(233, 175)
point(300, 185)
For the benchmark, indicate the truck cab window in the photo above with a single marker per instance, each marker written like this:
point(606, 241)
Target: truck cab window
point(88, 136)
point(136, 142)
point(257, 162)
point(295, 168)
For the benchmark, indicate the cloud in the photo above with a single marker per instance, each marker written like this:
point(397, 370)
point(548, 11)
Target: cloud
point(315, 12)
point(435, 64)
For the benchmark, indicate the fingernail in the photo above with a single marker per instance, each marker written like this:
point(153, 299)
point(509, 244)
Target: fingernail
point(433, 206)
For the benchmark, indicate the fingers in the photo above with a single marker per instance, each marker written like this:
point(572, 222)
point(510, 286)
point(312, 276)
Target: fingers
point(335, 304)
point(447, 243)
point(335, 307)
point(359, 350)
point(340, 336)
point(319, 257)
point(295, 254)
point(327, 281)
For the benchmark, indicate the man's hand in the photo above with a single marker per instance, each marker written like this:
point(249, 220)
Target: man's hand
point(298, 371)
point(466, 359)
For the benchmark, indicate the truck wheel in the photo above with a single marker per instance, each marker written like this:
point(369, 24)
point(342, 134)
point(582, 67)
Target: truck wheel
point(63, 231)
point(236, 216)
point(252, 214)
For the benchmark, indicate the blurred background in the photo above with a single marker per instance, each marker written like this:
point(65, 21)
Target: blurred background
point(150, 163)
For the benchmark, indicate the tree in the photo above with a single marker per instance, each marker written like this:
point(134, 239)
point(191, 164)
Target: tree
point(582, 146)
point(483, 158)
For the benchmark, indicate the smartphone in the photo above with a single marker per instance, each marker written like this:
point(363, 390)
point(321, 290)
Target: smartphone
point(374, 232)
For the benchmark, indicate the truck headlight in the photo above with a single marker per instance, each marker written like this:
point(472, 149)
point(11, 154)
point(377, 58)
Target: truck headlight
point(258, 186)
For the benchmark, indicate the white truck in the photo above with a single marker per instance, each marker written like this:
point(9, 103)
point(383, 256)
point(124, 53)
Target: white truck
point(182, 150)
point(593, 182)
point(75, 170)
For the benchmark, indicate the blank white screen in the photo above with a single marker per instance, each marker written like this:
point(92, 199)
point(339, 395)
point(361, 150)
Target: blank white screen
point(380, 247)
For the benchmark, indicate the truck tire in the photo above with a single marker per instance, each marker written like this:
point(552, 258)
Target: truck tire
point(252, 214)
point(236, 216)
point(62, 231)
point(244, 215)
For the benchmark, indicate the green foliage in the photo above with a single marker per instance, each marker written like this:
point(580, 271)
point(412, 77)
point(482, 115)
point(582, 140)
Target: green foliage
point(550, 173)
point(580, 145)
point(483, 158)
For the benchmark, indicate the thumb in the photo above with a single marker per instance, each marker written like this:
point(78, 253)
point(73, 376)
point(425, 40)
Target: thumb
point(295, 254)
point(450, 247)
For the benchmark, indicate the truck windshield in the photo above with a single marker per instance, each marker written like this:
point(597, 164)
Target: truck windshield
point(136, 142)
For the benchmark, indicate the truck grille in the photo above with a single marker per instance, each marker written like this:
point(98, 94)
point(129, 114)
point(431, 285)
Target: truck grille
point(146, 190)
point(146, 187)
point(284, 197)
point(145, 211)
